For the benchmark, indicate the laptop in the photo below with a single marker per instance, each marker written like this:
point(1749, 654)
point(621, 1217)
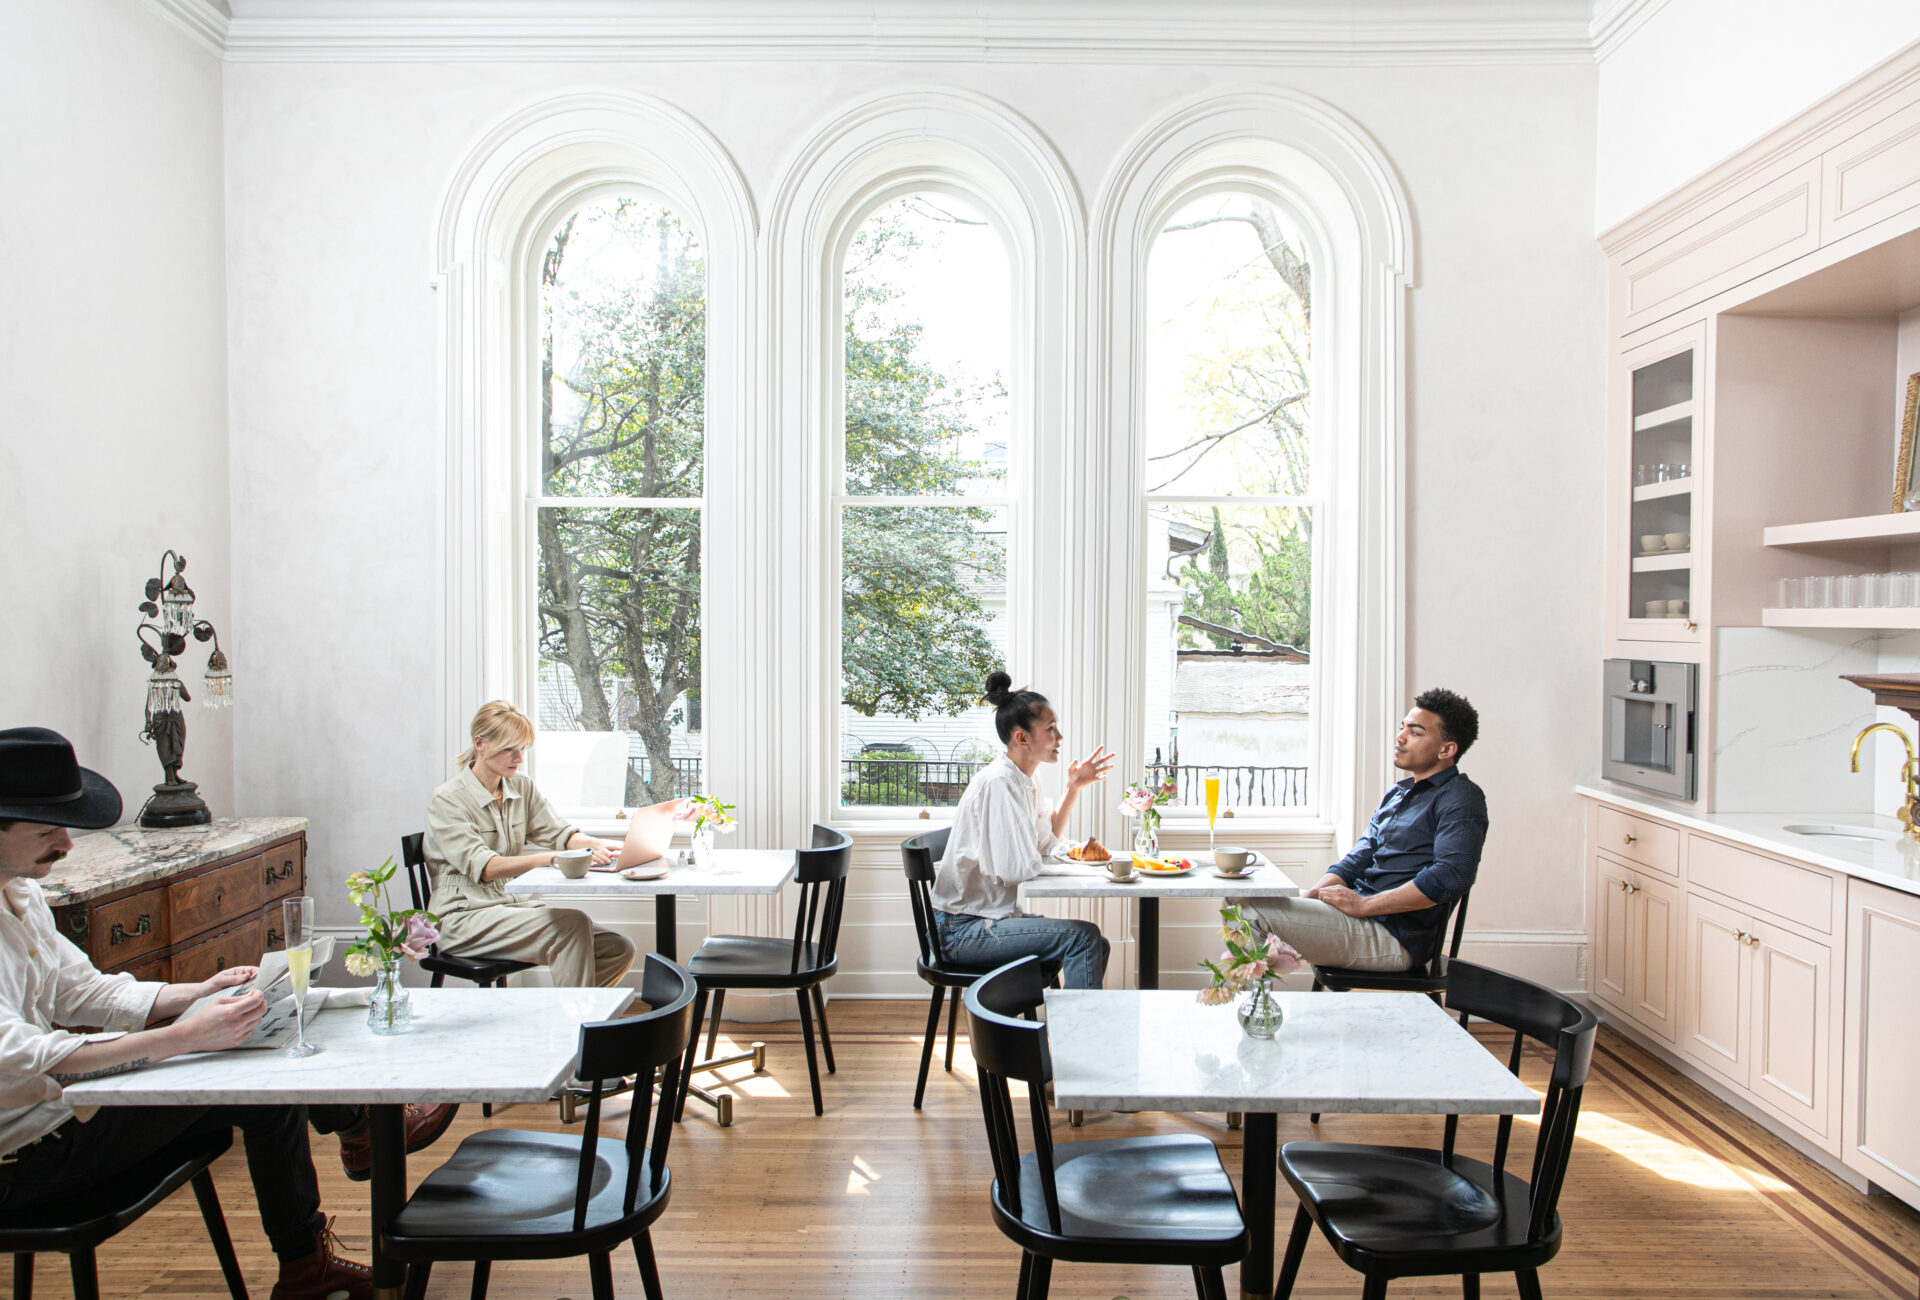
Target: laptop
point(649, 832)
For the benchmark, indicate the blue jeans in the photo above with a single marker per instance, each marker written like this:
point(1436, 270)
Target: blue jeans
point(1078, 946)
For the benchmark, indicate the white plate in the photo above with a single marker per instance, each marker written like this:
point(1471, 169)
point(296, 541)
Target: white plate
point(645, 873)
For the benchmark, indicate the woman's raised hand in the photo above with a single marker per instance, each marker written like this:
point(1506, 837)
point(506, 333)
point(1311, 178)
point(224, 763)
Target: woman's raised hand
point(1093, 767)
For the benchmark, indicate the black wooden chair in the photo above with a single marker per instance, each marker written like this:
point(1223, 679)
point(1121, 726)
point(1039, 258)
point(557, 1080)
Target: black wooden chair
point(76, 1227)
point(1391, 1212)
point(921, 856)
point(1139, 1200)
point(1430, 979)
point(803, 964)
point(511, 1194)
point(487, 972)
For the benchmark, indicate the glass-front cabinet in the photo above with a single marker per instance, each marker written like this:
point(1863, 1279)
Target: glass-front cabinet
point(1666, 404)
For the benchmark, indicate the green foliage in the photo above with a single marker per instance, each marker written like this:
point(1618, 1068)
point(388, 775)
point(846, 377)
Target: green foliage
point(1274, 599)
point(388, 931)
point(889, 780)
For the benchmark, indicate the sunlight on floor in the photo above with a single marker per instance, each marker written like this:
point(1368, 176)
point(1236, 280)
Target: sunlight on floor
point(860, 1177)
point(1671, 1160)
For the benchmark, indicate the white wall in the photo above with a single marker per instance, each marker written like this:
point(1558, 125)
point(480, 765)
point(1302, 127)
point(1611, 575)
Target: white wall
point(113, 442)
point(1701, 79)
point(336, 177)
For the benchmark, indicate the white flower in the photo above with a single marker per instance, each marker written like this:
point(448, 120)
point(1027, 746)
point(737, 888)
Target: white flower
point(358, 963)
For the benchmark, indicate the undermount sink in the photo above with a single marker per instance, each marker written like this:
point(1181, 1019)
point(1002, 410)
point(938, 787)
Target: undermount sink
point(1867, 833)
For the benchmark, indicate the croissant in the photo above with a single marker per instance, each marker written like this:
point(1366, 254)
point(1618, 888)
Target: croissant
point(1091, 851)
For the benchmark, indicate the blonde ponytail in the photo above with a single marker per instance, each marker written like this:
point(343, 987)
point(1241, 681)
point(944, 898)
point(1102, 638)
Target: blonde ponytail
point(501, 726)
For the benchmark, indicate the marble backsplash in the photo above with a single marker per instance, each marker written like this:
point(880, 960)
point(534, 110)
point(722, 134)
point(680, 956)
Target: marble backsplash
point(1784, 721)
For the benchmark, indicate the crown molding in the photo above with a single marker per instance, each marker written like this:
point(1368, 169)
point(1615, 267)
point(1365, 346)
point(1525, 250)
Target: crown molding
point(204, 21)
point(1616, 22)
point(1239, 32)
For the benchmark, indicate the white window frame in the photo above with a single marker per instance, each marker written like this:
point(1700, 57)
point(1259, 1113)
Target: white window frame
point(1013, 500)
point(1317, 500)
point(528, 661)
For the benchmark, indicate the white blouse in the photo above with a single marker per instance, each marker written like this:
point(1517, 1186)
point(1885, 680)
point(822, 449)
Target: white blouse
point(1000, 830)
point(46, 981)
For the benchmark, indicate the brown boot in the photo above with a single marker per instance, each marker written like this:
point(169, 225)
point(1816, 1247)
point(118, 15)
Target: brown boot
point(425, 1124)
point(323, 1275)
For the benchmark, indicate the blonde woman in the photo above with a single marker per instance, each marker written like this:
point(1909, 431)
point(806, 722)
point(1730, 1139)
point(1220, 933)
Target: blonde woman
point(488, 825)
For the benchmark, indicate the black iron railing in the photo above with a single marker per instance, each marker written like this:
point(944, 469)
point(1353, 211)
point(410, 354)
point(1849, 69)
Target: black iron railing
point(875, 782)
point(686, 778)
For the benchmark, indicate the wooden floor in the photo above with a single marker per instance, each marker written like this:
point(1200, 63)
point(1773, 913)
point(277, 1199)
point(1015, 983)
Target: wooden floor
point(1670, 1194)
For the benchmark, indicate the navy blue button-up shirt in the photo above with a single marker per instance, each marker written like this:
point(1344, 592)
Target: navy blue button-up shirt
point(1428, 832)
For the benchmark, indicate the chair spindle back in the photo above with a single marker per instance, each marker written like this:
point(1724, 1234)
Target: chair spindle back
point(822, 874)
point(921, 855)
point(413, 855)
point(1006, 1047)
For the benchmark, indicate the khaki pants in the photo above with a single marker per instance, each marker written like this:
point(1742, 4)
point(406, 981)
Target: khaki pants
point(579, 953)
point(1325, 935)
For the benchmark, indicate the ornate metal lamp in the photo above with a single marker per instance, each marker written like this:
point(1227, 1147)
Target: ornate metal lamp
point(175, 802)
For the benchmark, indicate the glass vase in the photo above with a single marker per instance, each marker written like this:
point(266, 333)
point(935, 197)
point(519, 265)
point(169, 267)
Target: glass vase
point(1146, 837)
point(703, 847)
point(390, 1009)
point(1260, 1015)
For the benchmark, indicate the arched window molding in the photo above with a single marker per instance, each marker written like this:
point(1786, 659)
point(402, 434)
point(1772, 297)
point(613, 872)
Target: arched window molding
point(880, 148)
point(500, 207)
point(1335, 181)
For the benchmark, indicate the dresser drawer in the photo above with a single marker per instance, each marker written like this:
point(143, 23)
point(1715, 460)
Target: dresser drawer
point(284, 873)
point(123, 930)
point(273, 928)
point(200, 903)
point(1648, 844)
point(1800, 895)
point(154, 970)
point(239, 946)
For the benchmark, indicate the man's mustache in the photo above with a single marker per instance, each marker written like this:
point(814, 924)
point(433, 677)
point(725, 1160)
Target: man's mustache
point(51, 858)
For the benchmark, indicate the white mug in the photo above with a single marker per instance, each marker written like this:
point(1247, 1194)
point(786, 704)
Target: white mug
point(1233, 862)
point(573, 863)
point(1120, 869)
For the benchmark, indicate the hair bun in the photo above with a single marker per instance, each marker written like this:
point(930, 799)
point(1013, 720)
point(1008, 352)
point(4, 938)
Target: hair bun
point(999, 687)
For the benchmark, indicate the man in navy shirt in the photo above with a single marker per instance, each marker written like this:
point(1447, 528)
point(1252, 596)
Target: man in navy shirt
point(1383, 906)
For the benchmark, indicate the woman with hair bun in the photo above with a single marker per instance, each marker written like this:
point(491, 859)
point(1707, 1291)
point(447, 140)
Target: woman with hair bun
point(1000, 831)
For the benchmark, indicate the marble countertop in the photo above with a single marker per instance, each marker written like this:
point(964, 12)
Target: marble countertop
point(105, 861)
point(1894, 863)
point(735, 871)
point(499, 1045)
point(1078, 880)
point(1354, 1053)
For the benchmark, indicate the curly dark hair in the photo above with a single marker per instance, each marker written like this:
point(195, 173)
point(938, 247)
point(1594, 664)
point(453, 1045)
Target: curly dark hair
point(1012, 710)
point(1459, 722)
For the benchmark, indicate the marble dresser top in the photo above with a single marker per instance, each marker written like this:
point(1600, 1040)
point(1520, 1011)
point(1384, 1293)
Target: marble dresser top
point(1893, 862)
point(105, 861)
point(1359, 1053)
point(735, 871)
point(500, 1045)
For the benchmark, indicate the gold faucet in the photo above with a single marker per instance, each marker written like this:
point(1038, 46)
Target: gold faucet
point(1909, 813)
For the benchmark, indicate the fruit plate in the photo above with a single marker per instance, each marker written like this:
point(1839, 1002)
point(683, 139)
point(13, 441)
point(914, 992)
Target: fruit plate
point(1153, 873)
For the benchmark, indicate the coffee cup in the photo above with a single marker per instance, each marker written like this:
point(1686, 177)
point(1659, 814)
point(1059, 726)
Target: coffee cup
point(573, 863)
point(1120, 869)
point(1676, 609)
point(1656, 609)
point(1676, 541)
point(1652, 542)
point(1232, 862)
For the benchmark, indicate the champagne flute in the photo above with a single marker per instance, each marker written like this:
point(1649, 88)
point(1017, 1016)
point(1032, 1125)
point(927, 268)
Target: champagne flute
point(1213, 811)
point(298, 914)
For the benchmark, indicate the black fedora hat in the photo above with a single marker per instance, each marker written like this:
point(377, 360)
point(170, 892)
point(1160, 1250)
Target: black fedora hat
point(40, 781)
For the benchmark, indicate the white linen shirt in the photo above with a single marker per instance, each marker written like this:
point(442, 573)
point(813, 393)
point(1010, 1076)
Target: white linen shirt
point(44, 981)
point(1000, 830)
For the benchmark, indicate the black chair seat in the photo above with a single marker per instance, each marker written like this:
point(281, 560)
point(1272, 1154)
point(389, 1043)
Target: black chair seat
point(947, 975)
point(1400, 1212)
point(752, 961)
point(481, 970)
point(111, 1205)
point(1342, 979)
point(1149, 1200)
point(510, 1194)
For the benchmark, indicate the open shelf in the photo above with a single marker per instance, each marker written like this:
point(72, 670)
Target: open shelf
point(1673, 487)
point(1889, 528)
point(1866, 619)
point(1665, 415)
point(1662, 563)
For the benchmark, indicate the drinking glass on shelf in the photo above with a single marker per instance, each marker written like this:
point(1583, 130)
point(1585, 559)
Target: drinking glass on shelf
point(1788, 596)
point(1819, 592)
point(1902, 592)
point(298, 915)
point(1846, 591)
point(1874, 590)
point(1682, 470)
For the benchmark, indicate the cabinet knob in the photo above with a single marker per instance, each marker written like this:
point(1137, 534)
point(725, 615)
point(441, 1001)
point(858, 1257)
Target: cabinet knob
point(120, 934)
point(1632, 888)
point(1627, 839)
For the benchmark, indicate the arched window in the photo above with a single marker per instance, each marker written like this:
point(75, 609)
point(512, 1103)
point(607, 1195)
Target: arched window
point(1234, 503)
point(616, 502)
point(923, 494)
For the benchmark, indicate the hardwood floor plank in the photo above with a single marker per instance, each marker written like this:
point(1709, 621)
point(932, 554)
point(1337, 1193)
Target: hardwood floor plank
point(1670, 1194)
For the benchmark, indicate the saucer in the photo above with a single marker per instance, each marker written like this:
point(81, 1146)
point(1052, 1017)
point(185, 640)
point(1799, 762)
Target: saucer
point(651, 872)
point(1248, 874)
point(1134, 879)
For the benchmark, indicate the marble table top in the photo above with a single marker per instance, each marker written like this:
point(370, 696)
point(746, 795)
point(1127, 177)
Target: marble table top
point(499, 1045)
point(735, 871)
point(1078, 880)
point(1360, 1053)
point(106, 861)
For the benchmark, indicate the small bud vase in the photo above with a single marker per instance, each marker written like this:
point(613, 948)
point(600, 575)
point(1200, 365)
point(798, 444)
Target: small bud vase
point(1146, 836)
point(703, 847)
point(390, 1009)
point(1260, 1015)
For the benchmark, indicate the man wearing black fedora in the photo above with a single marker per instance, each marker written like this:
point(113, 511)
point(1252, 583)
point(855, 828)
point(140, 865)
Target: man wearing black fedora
point(49, 1153)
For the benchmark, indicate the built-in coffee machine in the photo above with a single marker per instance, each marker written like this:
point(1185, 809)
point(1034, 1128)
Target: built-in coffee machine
point(1650, 711)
